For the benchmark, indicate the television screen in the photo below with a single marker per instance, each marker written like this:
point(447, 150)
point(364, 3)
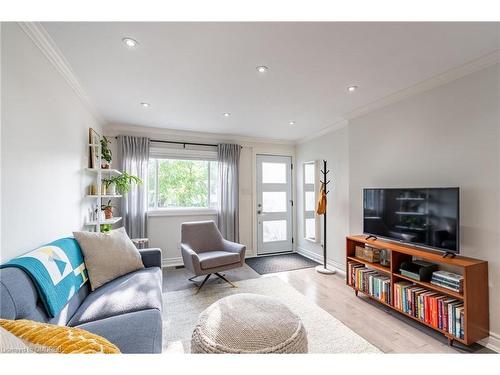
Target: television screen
point(426, 217)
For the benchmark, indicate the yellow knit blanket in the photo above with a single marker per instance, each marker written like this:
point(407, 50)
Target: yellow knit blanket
point(42, 337)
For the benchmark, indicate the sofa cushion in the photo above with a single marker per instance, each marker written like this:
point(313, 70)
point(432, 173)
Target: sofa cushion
point(213, 259)
point(108, 255)
point(136, 332)
point(139, 290)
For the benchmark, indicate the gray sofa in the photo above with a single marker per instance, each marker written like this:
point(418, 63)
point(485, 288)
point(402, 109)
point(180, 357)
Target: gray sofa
point(127, 311)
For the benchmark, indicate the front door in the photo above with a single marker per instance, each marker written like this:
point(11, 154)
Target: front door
point(274, 204)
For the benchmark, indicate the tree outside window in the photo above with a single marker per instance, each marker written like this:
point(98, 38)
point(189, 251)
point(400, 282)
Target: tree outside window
point(179, 183)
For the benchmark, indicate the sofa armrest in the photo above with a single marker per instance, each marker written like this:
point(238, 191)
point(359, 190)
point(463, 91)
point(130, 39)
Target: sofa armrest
point(190, 259)
point(234, 247)
point(151, 257)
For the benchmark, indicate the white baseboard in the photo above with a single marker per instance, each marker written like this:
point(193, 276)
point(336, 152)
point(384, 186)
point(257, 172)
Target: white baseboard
point(172, 262)
point(492, 342)
point(340, 268)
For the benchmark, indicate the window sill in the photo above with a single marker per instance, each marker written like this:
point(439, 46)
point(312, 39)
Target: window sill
point(182, 212)
point(311, 240)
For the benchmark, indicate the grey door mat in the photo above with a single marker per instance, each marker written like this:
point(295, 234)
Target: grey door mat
point(280, 263)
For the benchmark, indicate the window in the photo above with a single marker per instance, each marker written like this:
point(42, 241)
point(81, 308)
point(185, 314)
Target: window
point(310, 197)
point(182, 183)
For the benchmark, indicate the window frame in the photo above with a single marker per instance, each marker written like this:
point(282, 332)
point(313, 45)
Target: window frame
point(181, 154)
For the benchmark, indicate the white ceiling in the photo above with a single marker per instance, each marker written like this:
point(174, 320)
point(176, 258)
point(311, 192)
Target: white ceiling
point(191, 73)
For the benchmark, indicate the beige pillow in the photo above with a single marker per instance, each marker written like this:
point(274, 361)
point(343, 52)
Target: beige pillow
point(108, 255)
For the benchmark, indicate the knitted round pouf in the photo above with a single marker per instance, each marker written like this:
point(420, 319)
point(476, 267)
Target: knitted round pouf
point(248, 323)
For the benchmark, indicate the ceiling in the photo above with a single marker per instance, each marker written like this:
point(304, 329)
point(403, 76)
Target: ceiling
point(192, 73)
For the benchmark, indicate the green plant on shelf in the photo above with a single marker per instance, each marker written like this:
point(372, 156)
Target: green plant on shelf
point(105, 151)
point(108, 210)
point(123, 182)
point(105, 228)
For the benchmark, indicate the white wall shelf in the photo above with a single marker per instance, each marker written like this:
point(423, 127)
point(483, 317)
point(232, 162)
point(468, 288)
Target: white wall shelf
point(104, 196)
point(95, 219)
point(113, 220)
point(107, 171)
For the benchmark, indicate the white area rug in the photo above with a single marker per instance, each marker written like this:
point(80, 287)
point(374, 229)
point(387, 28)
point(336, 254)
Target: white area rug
point(325, 333)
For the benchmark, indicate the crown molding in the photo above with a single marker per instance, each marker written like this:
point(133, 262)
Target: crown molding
point(187, 135)
point(335, 126)
point(429, 84)
point(46, 44)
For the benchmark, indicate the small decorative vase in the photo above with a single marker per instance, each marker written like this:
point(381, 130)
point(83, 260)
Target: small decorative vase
point(111, 189)
point(102, 215)
point(103, 189)
point(104, 164)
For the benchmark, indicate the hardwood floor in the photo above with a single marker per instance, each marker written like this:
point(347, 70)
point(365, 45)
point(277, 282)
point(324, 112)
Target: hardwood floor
point(382, 327)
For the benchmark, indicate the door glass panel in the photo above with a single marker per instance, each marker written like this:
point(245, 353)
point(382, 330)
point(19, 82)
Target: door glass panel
point(309, 173)
point(274, 230)
point(310, 229)
point(273, 173)
point(309, 201)
point(274, 201)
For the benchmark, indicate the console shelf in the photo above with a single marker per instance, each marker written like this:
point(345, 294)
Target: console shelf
point(475, 283)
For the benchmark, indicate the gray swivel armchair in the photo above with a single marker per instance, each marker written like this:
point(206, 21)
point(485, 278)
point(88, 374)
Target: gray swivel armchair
point(206, 252)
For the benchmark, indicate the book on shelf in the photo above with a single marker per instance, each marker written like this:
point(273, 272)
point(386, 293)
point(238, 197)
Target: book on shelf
point(433, 308)
point(449, 276)
point(451, 286)
point(369, 281)
point(448, 280)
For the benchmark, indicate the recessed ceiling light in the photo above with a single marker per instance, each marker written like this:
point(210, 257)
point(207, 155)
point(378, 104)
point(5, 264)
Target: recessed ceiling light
point(226, 114)
point(145, 105)
point(352, 88)
point(130, 43)
point(262, 69)
point(291, 123)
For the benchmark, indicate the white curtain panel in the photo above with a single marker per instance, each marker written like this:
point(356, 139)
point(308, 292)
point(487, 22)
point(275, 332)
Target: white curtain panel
point(228, 156)
point(134, 158)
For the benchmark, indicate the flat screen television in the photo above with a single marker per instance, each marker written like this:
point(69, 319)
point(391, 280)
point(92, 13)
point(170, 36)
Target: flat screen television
point(426, 217)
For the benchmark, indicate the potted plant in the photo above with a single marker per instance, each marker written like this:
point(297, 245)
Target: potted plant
point(106, 154)
point(123, 182)
point(105, 228)
point(108, 210)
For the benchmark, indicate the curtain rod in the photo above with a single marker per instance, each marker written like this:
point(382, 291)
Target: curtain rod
point(185, 143)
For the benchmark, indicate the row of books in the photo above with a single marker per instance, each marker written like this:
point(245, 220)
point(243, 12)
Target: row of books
point(433, 308)
point(369, 281)
point(448, 280)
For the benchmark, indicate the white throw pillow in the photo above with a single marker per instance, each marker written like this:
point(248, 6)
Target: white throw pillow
point(108, 255)
point(12, 344)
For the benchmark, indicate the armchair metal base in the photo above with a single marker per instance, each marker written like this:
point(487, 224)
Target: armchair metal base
point(206, 279)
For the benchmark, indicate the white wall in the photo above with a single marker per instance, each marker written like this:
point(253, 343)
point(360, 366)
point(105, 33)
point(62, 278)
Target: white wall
point(448, 136)
point(164, 231)
point(332, 147)
point(44, 135)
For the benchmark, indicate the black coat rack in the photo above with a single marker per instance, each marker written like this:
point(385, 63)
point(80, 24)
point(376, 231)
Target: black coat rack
point(324, 181)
